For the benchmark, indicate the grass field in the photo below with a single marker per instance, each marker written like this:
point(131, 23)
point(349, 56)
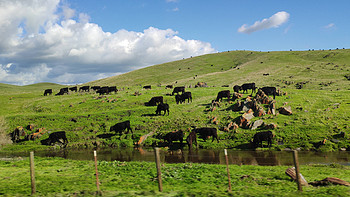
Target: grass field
point(62, 177)
point(321, 109)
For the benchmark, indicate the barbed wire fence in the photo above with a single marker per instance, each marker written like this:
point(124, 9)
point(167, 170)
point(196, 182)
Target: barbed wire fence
point(293, 157)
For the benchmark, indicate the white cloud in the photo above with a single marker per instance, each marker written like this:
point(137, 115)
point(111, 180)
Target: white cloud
point(329, 26)
point(274, 21)
point(41, 41)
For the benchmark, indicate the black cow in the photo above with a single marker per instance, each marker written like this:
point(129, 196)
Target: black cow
point(148, 87)
point(237, 88)
point(223, 93)
point(174, 136)
point(75, 89)
point(180, 98)
point(121, 126)
point(17, 133)
point(162, 107)
point(178, 89)
point(62, 91)
point(95, 88)
point(155, 100)
point(270, 91)
point(112, 89)
point(191, 138)
point(262, 136)
point(103, 90)
point(169, 86)
point(84, 89)
point(206, 132)
point(247, 86)
point(55, 137)
point(47, 91)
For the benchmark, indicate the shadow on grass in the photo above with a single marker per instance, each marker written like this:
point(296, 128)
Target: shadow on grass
point(149, 115)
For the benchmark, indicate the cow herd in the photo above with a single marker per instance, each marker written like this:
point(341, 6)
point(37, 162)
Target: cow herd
point(98, 89)
point(180, 97)
point(206, 132)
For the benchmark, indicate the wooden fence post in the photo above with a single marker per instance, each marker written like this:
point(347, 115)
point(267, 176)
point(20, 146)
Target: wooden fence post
point(32, 172)
point(159, 173)
point(297, 170)
point(97, 182)
point(228, 172)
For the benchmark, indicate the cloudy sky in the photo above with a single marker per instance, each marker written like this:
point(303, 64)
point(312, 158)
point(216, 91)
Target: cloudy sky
point(76, 41)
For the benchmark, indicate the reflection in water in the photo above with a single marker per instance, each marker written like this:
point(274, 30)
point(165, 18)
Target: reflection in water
point(263, 158)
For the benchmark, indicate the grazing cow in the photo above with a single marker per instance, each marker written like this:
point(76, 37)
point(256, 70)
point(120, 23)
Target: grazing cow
point(237, 88)
point(174, 136)
point(95, 88)
point(17, 133)
point(103, 90)
point(47, 91)
point(112, 89)
point(62, 91)
point(55, 137)
point(84, 89)
point(262, 136)
point(155, 101)
point(206, 132)
point(182, 98)
point(247, 86)
point(162, 107)
point(169, 87)
point(224, 93)
point(191, 138)
point(148, 87)
point(75, 89)
point(178, 89)
point(269, 91)
point(121, 126)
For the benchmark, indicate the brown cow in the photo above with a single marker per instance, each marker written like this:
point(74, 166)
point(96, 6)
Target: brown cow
point(191, 138)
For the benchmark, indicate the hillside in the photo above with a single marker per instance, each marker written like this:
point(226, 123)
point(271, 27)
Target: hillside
point(321, 108)
point(317, 69)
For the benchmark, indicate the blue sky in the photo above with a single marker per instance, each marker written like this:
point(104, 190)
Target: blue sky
point(312, 23)
point(76, 41)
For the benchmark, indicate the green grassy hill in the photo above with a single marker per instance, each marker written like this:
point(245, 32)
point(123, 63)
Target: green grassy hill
point(318, 69)
point(321, 109)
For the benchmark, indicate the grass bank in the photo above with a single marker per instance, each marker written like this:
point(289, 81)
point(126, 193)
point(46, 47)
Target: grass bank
point(62, 177)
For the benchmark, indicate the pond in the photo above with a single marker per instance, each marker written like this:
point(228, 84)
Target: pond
point(263, 158)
